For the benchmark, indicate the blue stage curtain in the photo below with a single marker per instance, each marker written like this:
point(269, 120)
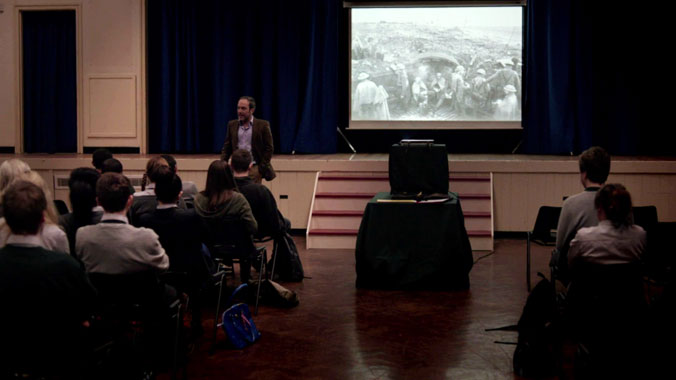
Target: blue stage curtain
point(204, 55)
point(49, 81)
point(589, 80)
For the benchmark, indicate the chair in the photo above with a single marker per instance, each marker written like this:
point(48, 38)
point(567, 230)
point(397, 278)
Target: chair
point(607, 312)
point(229, 242)
point(133, 309)
point(275, 244)
point(61, 207)
point(543, 233)
point(645, 216)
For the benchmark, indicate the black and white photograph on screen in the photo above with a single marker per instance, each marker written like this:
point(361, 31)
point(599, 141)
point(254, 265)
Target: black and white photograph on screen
point(442, 64)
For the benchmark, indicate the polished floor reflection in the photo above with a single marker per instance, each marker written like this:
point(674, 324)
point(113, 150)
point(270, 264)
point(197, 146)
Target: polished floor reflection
point(340, 332)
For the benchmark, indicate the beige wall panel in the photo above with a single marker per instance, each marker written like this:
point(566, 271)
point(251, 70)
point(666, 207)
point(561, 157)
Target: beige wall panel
point(298, 186)
point(112, 107)
point(112, 42)
point(8, 75)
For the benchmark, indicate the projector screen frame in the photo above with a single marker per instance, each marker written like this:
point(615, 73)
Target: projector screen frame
point(428, 124)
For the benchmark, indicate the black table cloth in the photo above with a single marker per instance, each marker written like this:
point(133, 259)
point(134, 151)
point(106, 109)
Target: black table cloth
point(413, 245)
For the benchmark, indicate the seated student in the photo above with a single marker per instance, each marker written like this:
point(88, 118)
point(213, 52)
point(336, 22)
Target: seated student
point(99, 157)
point(51, 235)
point(9, 170)
point(82, 185)
point(263, 205)
point(616, 239)
point(605, 296)
point(180, 234)
point(220, 201)
point(145, 200)
point(113, 246)
point(189, 188)
point(113, 165)
point(46, 296)
point(578, 210)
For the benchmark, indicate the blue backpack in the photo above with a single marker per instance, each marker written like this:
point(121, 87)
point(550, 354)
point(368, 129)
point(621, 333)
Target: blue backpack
point(238, 324)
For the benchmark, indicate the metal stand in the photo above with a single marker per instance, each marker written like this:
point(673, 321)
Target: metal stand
point(346, 140)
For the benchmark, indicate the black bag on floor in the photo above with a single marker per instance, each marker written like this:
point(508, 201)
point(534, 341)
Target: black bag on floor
point(288, 266)
point(538, 350)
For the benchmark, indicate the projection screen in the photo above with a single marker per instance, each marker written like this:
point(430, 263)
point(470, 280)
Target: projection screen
point(440, 67)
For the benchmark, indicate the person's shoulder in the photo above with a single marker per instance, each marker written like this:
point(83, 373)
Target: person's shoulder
point(183, 214)
point(86, 231)
point(57, 260)
point(261, 122)
point(578, 198)
point(148, 218)
point(142, 234)
point(239, 199)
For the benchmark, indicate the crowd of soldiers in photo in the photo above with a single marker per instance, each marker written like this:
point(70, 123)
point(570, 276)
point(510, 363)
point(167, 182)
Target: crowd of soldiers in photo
point(489, 90)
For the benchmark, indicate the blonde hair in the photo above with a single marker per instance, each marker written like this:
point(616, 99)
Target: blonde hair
point(51, 216)
point(10, 170)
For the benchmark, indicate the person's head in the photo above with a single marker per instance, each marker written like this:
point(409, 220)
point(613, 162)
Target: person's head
point(82, 185)
point(171, 161)
point(153, 165)
point(613, 203)
point(113, 193)
point(241, 161)
point(168, 186)
point(10, 170)
point(460, 70)
point(594, 166)
point(220, 183)
point(112, 165)
point(99, 157)
point(24, 206)
point(245, 108)
point(438, 75)
point(52, 216)
point(481, 72)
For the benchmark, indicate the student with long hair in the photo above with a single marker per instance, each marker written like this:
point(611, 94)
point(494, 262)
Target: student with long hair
point(616, 239)
point(9, 171)
point(82, 185)
point(145, 200)
point(220, 201)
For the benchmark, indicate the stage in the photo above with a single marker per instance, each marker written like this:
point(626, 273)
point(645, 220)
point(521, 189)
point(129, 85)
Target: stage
point(519, 184)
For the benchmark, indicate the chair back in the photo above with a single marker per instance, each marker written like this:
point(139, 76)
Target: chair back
point(606, 289)
point(546, 222)
point(129, 295)
point(645, 216)
point(227, 239)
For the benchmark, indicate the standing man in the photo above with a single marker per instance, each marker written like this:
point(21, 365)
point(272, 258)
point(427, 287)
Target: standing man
point(364, 100)
point(253, 135)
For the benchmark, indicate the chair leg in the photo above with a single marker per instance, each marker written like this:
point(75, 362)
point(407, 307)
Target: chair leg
point(275, 245)
point(264, 260)
point(218, 310)
point(177, 333)
point(528, 260)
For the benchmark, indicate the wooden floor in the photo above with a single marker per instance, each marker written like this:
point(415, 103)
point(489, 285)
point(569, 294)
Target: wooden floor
point(340, 332)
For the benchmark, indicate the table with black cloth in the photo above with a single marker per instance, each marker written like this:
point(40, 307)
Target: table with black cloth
point(413, 245)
